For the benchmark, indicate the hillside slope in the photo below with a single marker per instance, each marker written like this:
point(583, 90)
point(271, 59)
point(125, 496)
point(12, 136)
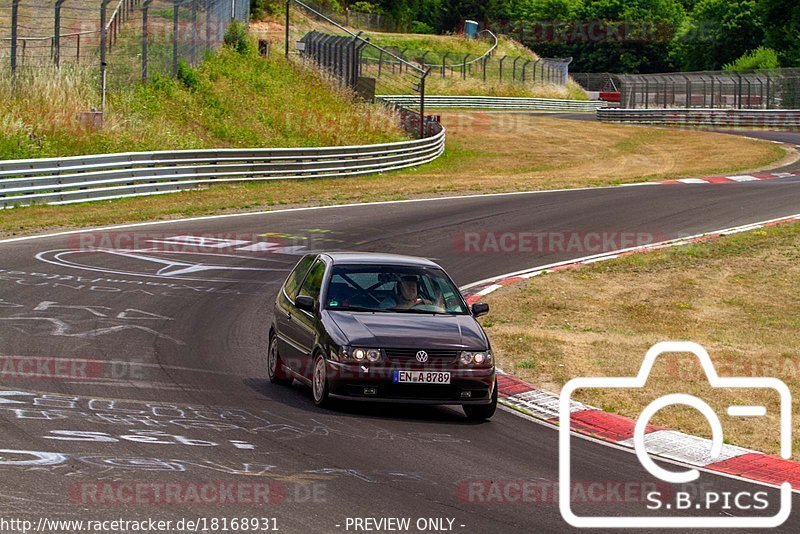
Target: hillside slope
point(231, 100)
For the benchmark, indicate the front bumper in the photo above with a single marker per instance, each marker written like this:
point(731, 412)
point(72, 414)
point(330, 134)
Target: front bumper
point(367, 383)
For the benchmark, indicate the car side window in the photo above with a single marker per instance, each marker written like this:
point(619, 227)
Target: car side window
point(297, 276)
point(313, 283)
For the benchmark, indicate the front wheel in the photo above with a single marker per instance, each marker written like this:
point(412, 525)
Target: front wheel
point(319, 384)
point(482, 412)
point(277, 374)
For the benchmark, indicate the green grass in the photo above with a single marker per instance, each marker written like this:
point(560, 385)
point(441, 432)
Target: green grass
point(735, 295)
point(232, 100)
point(455, 46)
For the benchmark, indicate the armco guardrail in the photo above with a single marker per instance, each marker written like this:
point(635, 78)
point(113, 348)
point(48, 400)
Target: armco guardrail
point(726, 118)
point(498, 103)
point(111, 176)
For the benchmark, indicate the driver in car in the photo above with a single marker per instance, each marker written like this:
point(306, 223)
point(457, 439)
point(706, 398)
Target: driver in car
point(406, 295)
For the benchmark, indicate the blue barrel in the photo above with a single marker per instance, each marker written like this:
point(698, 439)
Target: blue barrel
point(470, 29)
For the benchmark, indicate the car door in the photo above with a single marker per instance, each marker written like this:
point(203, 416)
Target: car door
point(288, 345)
point(304, 323)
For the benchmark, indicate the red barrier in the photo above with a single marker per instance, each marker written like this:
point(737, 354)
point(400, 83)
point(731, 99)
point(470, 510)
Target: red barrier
point(610, 96)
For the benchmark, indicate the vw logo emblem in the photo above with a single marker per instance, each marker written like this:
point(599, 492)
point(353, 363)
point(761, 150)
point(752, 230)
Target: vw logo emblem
point(422, 356)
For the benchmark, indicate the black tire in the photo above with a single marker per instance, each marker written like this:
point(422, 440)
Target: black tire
point(319, 382)
point(275, 369)
point(482, 412)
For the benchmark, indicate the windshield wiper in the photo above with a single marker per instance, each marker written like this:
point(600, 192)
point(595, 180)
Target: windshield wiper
point(419, 312)
point(356, 309)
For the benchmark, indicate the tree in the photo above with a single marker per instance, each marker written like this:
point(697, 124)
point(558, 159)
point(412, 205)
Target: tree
point(719, 32)
point(454, 12)
point(780, 20)
point(604, 35)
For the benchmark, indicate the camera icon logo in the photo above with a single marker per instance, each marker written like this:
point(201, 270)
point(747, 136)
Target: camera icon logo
point(673, 477)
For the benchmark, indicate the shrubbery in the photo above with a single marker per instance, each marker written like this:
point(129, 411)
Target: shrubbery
point(760, 58)
point(236, 37)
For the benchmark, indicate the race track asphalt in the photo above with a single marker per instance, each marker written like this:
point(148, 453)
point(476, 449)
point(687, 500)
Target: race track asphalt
point(159, 348)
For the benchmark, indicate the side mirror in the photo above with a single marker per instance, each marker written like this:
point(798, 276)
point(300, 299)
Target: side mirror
point(479, 309)
point(305, 303)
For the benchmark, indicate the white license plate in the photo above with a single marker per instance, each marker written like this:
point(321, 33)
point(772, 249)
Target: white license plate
point(420, 377)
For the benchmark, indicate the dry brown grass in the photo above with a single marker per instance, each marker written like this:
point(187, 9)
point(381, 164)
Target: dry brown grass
point(738, 297)
point(486, 153)
point(474, 86)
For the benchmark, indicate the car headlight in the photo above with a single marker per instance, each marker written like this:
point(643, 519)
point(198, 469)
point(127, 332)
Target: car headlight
point(476, 359)
point(360, 355)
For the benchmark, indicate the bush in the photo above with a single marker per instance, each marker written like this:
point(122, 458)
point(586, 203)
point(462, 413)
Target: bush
point(261, 9)
point(367, 7)
point(188, 76)
point(421, 27)
point(760, 58)
point(236, 37)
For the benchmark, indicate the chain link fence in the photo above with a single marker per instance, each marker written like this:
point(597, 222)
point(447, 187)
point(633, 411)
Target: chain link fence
point(124, 40)
point(596, 81)
point(318, 37)
point(492, 68)
point(774, 89)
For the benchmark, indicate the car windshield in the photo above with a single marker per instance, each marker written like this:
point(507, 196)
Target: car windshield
point(393, 289)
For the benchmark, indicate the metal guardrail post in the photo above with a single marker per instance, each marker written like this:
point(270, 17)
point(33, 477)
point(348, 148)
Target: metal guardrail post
point(422, 104)
point(193, 53)
point(145, 8)
point(14, 26)
point(739, 91)
point(288, 22)
point(423, 57)
point(769, 98)
point(208, 4)
point(57, 33)
point(103, 52)
point(175, 7)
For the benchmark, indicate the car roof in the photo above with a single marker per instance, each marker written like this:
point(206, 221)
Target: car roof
point(373, 258)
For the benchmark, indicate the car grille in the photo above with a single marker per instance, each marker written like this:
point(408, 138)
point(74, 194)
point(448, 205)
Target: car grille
point(435, 356)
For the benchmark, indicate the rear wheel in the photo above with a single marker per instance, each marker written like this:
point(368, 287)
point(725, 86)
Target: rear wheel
point(277, 373)
point(482, 412)
point(319, 382)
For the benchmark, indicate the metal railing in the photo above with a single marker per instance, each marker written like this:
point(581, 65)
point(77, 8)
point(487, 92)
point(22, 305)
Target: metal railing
point(707, 118)
point(488, 67)
point(499, 103)
point(112, 176)
point(317, 38)
point(768, 89)
point(126, 39)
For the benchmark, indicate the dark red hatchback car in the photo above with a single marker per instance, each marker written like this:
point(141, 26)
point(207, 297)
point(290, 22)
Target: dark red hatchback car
point(380, 327)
